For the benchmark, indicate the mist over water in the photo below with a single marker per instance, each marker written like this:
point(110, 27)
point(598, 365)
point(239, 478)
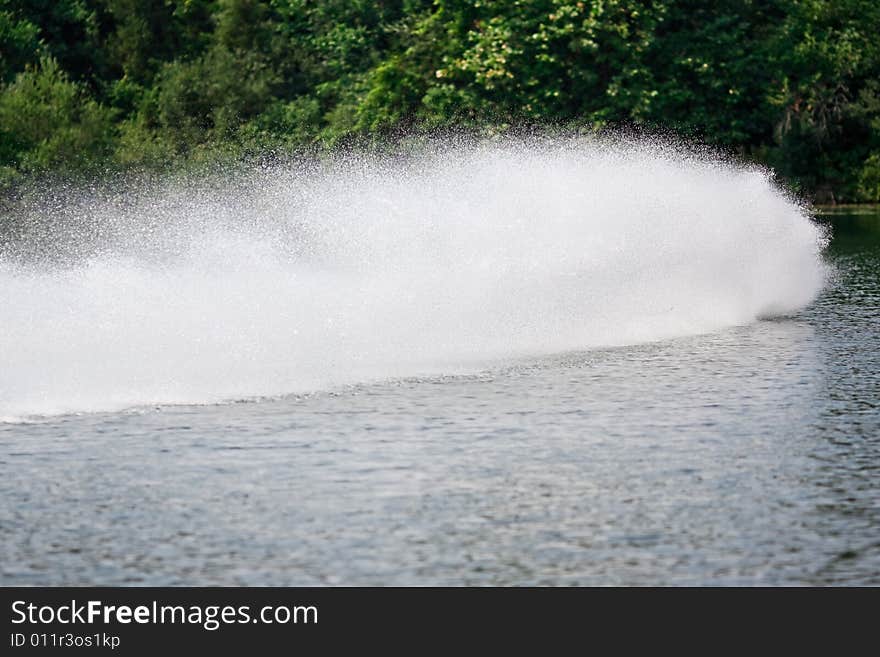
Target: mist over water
point(304, 277)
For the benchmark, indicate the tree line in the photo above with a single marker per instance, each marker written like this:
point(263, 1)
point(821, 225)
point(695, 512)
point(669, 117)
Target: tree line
point(90, 86)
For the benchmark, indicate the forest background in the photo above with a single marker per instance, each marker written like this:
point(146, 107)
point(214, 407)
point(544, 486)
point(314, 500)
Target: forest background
point(91, 87)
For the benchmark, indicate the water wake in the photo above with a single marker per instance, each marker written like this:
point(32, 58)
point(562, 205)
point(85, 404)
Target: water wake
point(305, 277)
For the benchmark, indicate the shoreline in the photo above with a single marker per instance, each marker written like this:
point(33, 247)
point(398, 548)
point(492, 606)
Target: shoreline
point(848, 208)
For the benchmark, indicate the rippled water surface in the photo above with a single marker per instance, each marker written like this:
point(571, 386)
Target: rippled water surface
point(744, 456)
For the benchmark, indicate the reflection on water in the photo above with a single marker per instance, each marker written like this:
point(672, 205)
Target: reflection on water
point(747, 456)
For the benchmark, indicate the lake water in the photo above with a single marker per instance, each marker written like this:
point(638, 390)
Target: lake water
point(744, 456)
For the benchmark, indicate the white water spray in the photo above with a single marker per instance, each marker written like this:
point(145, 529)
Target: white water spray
point(304, 278)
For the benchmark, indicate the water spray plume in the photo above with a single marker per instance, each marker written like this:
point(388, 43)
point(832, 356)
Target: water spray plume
point(305, 277)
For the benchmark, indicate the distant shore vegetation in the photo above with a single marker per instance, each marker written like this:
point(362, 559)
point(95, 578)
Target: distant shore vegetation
point(94, 86)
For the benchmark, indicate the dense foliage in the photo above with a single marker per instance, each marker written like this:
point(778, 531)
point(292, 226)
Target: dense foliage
point(92, 85)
